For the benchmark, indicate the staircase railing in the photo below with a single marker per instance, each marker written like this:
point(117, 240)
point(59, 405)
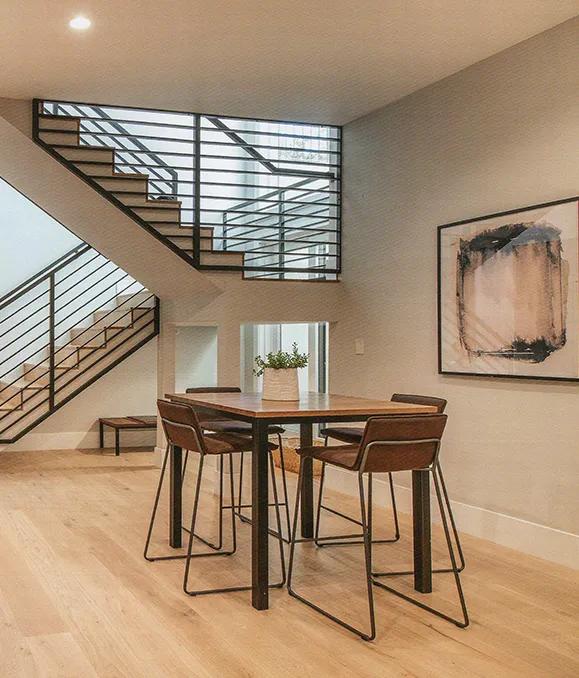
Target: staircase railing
point(62, 329)
point(268, 191)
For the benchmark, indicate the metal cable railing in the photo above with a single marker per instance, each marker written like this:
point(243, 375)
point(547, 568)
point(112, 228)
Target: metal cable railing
point(258, 196)
point(62, 329)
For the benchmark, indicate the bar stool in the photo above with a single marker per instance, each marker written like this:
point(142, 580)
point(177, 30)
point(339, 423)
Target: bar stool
point(183, 429)
point(211, 423)
point(352, 435)
point(388, 445)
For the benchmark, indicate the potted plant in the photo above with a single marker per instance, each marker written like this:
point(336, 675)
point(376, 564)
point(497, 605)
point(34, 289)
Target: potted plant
point(280, 373)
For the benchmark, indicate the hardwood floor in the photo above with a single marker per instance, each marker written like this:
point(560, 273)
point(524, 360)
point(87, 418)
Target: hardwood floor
point(77, 600)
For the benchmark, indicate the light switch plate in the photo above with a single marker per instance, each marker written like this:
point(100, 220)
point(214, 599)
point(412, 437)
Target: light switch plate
point(359, 343)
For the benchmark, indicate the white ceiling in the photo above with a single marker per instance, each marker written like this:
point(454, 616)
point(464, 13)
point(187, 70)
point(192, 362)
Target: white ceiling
point(312, 60)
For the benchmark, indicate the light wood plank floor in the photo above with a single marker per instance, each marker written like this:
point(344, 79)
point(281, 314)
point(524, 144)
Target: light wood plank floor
point(77, 599)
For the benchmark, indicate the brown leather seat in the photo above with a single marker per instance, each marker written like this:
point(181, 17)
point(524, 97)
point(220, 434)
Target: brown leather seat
point(353, 434)
point(345, 434)
point(228, 425)
point(345, 456)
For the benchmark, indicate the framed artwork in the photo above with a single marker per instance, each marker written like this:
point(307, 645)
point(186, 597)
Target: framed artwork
point(508, 294)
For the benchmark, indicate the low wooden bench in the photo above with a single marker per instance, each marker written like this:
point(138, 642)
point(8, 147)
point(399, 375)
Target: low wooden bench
point(121, 423)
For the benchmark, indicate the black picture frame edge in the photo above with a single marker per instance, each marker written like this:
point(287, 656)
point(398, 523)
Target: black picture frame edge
point(462, 222)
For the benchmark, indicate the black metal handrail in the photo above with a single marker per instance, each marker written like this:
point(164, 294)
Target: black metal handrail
point(237, 183)
point(43, 312)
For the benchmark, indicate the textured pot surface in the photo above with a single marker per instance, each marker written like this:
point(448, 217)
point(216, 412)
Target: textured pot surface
point(280, 384)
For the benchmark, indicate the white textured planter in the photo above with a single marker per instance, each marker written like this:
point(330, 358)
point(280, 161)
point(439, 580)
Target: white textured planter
point(280, 384)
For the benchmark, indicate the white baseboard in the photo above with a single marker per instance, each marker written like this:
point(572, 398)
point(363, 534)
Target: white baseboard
point(531, 538)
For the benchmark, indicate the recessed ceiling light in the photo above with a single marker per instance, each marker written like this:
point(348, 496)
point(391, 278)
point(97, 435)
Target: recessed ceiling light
point(80, 23)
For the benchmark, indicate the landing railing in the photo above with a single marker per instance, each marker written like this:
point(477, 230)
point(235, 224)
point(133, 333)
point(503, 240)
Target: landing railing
point(266, 190)
point(62, 329)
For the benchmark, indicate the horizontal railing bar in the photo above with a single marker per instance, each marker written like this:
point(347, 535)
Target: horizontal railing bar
point(278, 190)
point(153, 204)
point(275, 203)
point(83, 116)
point(213, 183)
point(181, 195)
point(274, 134)
point(151, 123)
point(279, 269)
point(76, 270)
point(220, 170)
point(212, 156)
point(275, 227)
point(295, 258)
point(209, 210)
point(274, 253)
point(312, 218)
point(178, 154)
point(275, 239)
point(180, 140)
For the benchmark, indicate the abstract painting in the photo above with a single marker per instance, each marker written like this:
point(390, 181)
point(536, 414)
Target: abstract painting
point(508, 300)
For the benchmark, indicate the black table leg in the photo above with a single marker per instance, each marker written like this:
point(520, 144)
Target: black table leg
point(175, 497)
point(259, 513)
point(117, 441)
point(422, 530)
point(307, 503)
point(101, 434)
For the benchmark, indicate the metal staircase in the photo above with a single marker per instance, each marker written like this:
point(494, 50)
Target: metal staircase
point(253, 196)
point(63, 329)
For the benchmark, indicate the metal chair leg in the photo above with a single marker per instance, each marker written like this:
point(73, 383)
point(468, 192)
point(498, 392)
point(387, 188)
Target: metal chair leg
point(219, 545)
point(367, 557)
point(156, 505)
point(154, 513)
point(192, 535)
point(284, 487)
point(348, 539)
point(240, 505)
point(444, 508)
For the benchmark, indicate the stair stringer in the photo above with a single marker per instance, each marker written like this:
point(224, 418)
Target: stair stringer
point(68, 199)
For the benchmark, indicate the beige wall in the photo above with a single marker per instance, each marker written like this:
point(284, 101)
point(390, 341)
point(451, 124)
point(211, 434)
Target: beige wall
point(500, 135)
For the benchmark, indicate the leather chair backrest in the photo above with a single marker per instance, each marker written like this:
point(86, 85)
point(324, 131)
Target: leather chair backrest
point(181, 426)
point(439, 403)
point(212, 389)
point(404, 443)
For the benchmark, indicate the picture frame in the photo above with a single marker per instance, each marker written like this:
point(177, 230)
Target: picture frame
point(508, 294)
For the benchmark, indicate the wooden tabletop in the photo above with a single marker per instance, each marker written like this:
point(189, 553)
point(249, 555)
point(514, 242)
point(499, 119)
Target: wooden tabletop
point(309, 404)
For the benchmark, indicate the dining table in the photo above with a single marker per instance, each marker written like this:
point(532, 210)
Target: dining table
point(312, 408)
